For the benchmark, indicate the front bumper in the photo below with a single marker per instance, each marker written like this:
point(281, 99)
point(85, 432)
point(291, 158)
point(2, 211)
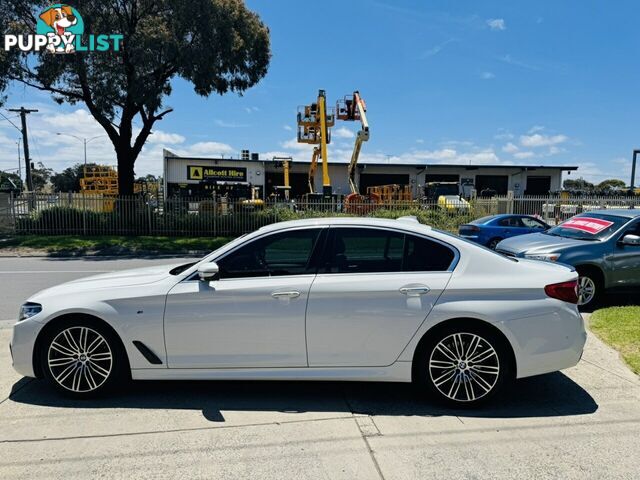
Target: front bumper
point(22, 344)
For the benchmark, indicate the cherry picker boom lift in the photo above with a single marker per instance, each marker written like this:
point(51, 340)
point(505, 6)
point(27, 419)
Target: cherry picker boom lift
point(283, 191)
point(352, 108)
point(314, 123)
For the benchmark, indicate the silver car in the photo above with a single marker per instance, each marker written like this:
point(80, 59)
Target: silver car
point(602, 245)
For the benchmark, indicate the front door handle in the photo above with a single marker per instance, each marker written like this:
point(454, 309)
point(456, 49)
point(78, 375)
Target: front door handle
point(414, 290)
point(287, 294)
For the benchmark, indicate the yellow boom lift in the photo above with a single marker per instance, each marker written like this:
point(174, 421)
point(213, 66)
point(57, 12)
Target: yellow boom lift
point(314, 123)
point(283, 191)
point(352, 108)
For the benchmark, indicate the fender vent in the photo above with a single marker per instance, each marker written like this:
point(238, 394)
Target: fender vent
point(147, 353)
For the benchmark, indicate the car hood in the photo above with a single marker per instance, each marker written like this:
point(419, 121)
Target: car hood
point(534, 243)
point(119, 279)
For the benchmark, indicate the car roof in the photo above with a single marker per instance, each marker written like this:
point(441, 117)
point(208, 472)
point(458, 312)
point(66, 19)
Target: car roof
point(406, 223)
point(622, 212)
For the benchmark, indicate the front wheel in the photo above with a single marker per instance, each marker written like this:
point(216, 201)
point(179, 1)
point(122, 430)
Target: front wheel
point(493, 243)
point(81, 358)
point(463, 366)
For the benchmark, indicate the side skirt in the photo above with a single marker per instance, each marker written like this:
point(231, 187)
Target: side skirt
point(397, 372)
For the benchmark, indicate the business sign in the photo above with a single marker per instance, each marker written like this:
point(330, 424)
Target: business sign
point(587, 224)
point(233, 174)
point(60, 29)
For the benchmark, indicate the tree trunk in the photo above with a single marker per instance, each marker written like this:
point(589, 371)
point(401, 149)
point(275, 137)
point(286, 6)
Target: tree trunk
point(125, 170)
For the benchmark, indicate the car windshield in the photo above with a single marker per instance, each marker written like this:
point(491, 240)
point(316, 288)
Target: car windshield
point(588, 226)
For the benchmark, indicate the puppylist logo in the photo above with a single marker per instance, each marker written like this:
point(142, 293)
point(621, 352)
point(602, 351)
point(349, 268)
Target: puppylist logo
point(59, 29)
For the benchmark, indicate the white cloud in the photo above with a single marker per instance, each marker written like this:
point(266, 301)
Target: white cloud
point(288, 128)
point(167, 139)
point(522, 155)
point(251, 109)
point(535, 129)
point(419, 140)
point(510, 148)
point(342, 132)
point(225, 124)
point(487, 75)
point(497, 24)
point(539, 140)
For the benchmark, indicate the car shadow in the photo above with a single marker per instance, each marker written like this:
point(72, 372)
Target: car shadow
point(614, 299)
point(548, 395)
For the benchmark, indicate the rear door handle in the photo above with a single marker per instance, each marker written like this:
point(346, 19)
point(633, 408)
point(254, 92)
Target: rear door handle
point(287, 294)
point(414, 290)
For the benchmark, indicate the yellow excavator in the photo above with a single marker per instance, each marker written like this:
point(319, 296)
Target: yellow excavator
point(314, 124)
point(352, 108)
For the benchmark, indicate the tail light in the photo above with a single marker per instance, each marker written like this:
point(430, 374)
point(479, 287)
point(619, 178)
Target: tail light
point(565, 291)
point(469, 228)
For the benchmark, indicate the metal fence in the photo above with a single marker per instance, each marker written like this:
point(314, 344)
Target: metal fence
point(77, 214)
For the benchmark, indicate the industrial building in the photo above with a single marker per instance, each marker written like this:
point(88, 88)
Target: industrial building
point(193, 176)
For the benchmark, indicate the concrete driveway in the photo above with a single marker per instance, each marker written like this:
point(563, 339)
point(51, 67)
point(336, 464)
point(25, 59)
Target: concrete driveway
point(581, 423)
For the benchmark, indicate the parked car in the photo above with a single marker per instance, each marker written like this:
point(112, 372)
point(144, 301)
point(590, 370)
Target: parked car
point(355, 299)
point(603, 246)
point(489, 231)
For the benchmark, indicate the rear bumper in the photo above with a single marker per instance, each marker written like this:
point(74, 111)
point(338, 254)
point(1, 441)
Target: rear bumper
point(547, 342)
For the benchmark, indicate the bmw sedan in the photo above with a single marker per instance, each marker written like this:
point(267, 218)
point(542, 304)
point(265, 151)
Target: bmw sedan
point(353, 299)
point(491, 230)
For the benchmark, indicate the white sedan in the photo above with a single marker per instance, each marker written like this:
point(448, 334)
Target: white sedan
point(354, 299)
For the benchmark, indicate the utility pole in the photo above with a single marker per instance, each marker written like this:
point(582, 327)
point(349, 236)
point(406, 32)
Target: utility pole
point(27, 159)
point(633, 170)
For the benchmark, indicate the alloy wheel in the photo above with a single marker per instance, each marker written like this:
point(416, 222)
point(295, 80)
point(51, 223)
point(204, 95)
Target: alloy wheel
point(80, 359)
point(586, 290)
point(464, 367)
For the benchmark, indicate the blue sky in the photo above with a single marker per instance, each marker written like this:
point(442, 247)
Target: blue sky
point(545, 82)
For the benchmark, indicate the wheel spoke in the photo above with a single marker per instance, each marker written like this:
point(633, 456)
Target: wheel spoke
point(445, 377)
point(442, 348)
point(481, 381)
point(483, 356)
point(62, 349)
point(490, 369)
point(70, 340)
point(59, 362)
point(94, 345)
point(98, 357)
point(98, 369)
point(66, 372)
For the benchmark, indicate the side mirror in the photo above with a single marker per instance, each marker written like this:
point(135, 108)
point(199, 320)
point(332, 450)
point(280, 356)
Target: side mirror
point(208, 271)
point(630, 239)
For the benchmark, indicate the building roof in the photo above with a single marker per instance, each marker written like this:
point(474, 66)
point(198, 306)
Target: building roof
point(394, 164)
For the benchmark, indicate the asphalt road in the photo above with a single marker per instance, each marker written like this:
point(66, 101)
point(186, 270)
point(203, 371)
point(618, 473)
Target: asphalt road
point(582, 423)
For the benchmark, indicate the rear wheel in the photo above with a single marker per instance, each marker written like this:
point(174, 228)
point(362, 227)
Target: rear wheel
point(464, 366)
point(82, 358)
point(493, 243)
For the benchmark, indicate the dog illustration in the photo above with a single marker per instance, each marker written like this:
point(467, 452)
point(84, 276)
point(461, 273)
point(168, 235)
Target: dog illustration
point(59, 18)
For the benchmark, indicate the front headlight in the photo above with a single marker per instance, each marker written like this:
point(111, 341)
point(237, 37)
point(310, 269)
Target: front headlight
point(28, 310)
point(547, 257)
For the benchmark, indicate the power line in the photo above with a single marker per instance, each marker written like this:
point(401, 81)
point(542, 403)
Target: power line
point(8, 120)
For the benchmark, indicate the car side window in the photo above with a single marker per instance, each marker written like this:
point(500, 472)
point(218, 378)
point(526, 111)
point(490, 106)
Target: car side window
point(510, 222)
point(424, 255)
point(633, 229)
point(532, 223)
point(365, 250)
point(286, 253)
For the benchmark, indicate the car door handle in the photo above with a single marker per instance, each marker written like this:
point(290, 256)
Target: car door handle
point(414, 290)
point(288, 294)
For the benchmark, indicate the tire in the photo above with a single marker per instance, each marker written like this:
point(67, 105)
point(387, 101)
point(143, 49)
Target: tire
point(82, 358)
point(590, 289)
point(493, 243)
point(448, 372)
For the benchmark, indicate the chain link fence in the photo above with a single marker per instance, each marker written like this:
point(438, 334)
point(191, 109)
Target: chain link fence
point(78, 214)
